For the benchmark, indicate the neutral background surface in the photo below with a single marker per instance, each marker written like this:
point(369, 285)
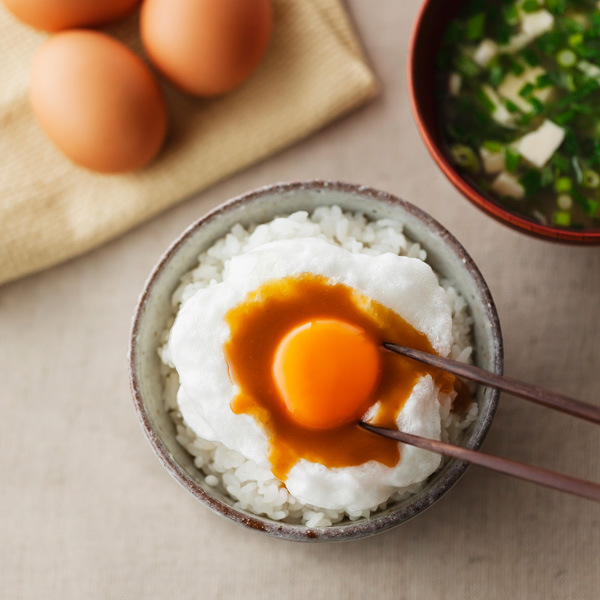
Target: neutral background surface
point(86, 510)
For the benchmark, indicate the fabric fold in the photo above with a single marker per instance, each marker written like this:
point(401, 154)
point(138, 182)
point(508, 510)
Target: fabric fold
point(52, 210)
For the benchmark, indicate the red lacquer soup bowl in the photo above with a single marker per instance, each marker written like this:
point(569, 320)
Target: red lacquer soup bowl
point(428, 30)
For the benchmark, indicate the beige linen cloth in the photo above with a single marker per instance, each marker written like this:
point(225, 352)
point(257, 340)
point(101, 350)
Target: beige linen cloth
point(52, 210)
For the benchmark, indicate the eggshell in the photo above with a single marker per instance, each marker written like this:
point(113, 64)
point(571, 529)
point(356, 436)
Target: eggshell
point(206, 47)
point(56, 15)
point(98, 101)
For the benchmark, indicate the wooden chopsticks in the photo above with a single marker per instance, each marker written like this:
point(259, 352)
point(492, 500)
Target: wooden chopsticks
point(557, 481)
point(536, 394)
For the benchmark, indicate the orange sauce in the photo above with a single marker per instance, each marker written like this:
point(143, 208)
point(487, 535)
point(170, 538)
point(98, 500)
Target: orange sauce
point(259, 323)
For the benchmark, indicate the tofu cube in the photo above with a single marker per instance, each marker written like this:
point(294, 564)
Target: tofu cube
point(454, 84)
point(538, 146)
point(535, 23)
point(516, 42)
point(501, 114)
point(486, 50)
point(507, 185)
point(493, 162)
point(532, 26)
point(513, 84)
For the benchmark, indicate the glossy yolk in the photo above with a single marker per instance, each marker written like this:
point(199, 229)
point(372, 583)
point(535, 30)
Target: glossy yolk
point(326, 371)
point(316, 418)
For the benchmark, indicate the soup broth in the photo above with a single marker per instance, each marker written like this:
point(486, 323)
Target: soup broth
point(519, 103)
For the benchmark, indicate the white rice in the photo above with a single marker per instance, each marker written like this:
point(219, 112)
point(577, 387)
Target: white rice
point(250, 487)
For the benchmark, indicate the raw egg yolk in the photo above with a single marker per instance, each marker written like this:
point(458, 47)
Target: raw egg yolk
point(326, 372)
point(342, 355)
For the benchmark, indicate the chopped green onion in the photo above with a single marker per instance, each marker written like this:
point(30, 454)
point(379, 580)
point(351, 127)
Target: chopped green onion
point(582, 109)
point(492, 146)
point(562, 164)
point(547, 176)
point(563, 184)
point(570, 82)
point(537, 104)
point(592, 207)
point(564, 202)
point(525, 119)
point(526, 90)
point(572, 146)
point(576, 39)
point(591, 179)
point(595, 152)
point(531, 181)
point(514, 67)
point(496, 74)
point(594, 30)
point(587, 52)
point(511, 106)
point(564, 117)
point(543, 81)
point(511, 14)
point(466, 66)
point(486, 101)
point(512, 159)
point(556, 7)
point(475, 27)
point(583, 92)
point(565, 190)
point(465, 157)
point(562, 218)
point(574, 24)
point(530, 57)
point(550, 42)
point(558, 78)
point(530, 6)
point(566, 58)
point(570, 25)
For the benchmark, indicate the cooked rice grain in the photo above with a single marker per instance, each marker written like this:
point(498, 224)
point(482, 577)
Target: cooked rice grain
point(250, 487)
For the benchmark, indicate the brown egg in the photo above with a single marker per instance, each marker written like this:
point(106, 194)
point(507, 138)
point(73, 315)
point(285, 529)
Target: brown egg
point(97, 101)
point(206, 47)
point(56, 15)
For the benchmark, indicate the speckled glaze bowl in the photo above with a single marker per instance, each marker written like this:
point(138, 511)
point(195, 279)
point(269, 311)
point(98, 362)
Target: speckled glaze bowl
point(445, 255)
point(428, 30)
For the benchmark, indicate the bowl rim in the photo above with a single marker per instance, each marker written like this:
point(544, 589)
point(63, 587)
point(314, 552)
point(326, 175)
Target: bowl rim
point(494, 210)
point(347, 531)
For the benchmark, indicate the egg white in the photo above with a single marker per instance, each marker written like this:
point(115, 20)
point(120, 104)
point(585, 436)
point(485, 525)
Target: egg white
point(406, 285)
